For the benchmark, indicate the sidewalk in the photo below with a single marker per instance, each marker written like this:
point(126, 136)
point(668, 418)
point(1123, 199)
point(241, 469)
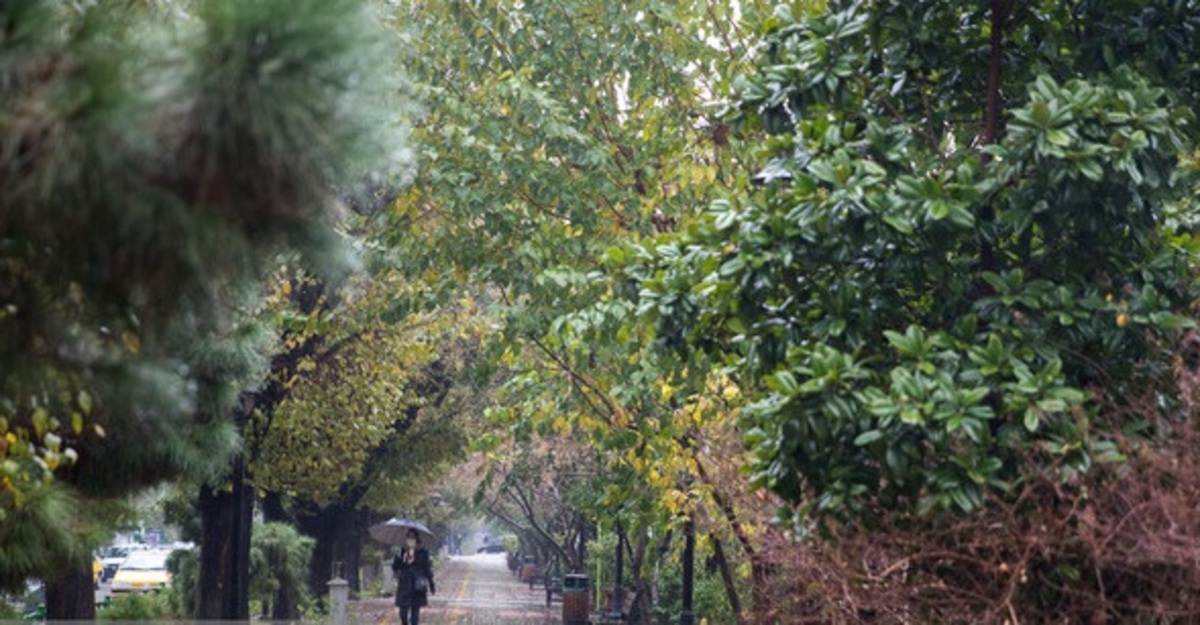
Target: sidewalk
point(472, 590)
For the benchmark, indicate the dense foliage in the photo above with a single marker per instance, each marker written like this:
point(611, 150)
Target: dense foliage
point(973, 218)
point(154, 163)
point(554, 131)
point(939, 293)
point(279, 560)
point(354, 386)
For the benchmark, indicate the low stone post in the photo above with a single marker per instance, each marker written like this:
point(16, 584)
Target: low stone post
point(339, 597)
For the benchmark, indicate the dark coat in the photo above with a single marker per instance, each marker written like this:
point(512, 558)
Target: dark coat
point(406, 578)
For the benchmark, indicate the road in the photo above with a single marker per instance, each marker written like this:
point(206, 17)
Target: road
point(473, 590)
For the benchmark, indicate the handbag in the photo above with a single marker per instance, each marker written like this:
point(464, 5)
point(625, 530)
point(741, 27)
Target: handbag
point(420, 584)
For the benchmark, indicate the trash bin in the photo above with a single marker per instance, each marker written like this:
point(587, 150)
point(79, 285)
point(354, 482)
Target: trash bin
point(575, 599)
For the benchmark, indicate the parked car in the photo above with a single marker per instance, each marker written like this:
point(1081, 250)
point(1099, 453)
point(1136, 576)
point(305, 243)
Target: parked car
point(492, 548)
point(142, 571)
point(111, 558)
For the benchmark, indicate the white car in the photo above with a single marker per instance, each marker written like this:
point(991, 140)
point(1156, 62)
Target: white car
point(142, 571)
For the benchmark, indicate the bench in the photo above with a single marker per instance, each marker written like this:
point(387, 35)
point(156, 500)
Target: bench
point(530, 574)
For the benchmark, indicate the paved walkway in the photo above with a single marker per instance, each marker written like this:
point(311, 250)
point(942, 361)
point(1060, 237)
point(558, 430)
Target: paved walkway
point(472, 590)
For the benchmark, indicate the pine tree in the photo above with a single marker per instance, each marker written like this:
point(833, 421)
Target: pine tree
point(154, 166)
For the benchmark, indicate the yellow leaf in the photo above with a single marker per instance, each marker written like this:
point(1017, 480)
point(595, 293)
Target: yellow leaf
point(132, 343)
point(667, 391)
point(675, 502)
point(620, 418)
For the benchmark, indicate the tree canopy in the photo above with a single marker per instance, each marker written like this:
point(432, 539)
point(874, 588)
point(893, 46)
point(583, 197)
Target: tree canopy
point(154, 164)
point(973, 218)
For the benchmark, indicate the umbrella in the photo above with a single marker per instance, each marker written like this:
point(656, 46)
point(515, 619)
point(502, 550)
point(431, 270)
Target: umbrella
point(395, 531)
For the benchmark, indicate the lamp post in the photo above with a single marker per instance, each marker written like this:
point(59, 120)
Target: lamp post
point(618, 599)
point(689, 556)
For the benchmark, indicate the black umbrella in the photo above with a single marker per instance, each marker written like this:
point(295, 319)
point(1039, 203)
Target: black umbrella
point(394, 532)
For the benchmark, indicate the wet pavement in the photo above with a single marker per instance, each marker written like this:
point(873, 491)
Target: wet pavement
point(472, 590)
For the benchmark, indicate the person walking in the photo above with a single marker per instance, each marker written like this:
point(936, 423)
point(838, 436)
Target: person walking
point(414, 579)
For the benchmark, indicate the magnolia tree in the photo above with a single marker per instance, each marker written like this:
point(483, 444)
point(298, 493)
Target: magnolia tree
point(971, 228)
point(971, 218)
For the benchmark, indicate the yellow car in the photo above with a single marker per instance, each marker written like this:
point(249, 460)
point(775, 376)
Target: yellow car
point(142, 571)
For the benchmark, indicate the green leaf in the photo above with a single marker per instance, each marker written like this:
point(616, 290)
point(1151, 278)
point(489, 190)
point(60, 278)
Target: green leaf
point(1032, 420)
point(974, 428)
point(786, 382)
point(41, 421)
point(868, 437)
point(1091, 169)
point(85, 402)
point(962, 500)
point(1041, 113)
point(1058, 137)
point(912, 416)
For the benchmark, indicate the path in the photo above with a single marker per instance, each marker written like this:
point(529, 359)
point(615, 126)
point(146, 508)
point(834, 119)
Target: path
point(473, 590)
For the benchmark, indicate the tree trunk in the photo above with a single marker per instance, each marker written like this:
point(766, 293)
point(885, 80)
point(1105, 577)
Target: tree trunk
point(321, 569)
point(72, 595)
point(640, 611)
point(760, 573)
point(992, 117)
point(272, 509)
point(760, 599)
point(285, 601)
point(226, 517)
point(350, 547)
point(338, 549)
point(735, 603)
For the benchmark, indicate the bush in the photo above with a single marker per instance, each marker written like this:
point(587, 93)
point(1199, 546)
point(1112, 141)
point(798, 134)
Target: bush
point(8, 612)
point(1116, 545)
point(709, 602)
point(279, 557)
point(184, 566)
point(138, 607)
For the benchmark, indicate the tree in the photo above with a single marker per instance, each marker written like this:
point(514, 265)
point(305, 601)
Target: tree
point(152, 168)
point(964, 235)
point(539, 488)
point(279, 565)
point(967, 251)
point(554, 131)
point(382, 397)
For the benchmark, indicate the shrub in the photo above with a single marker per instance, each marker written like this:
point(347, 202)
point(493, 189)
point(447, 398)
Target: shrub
point(138, 607)
point(279, 557)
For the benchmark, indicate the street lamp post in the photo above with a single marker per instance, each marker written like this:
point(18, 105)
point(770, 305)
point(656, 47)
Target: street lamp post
point(689, 556)
point(618, 599)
